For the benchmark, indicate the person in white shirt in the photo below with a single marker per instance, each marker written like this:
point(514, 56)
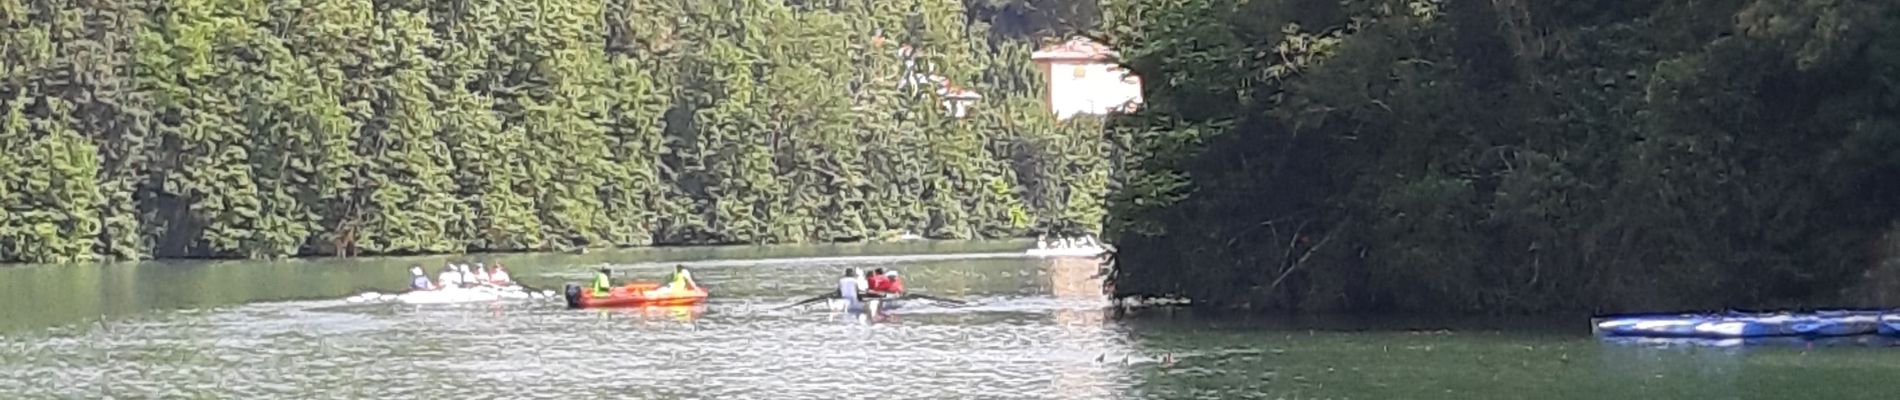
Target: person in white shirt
point(848, 288)
point(863, 284)
point(469, 278)
point(449, 278)
point(499, 276)
point(481, 275)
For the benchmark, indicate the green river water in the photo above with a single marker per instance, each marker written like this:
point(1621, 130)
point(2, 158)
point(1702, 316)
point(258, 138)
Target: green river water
point(1040, 330)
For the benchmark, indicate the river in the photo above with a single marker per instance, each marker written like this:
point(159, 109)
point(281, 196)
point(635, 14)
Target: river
point(1040, 329)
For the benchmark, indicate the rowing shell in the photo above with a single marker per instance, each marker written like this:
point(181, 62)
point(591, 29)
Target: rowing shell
point(872, 304)
point(451, 295)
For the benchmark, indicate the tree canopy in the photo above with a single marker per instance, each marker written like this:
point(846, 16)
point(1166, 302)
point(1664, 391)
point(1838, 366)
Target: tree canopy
point(267, 128)
point(1506, 156)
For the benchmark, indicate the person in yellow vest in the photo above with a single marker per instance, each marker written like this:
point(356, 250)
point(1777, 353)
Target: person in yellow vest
point(680, 280)
point(603, 283)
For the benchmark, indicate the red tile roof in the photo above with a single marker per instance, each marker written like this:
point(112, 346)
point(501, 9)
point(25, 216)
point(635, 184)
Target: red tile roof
point(1076, 49)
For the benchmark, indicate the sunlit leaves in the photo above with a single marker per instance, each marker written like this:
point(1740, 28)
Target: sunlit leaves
point(272, 128)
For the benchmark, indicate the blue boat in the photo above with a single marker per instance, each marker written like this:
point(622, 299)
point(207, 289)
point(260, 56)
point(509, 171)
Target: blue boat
point(1840, 323)
point(1749, 325)
point(1889, 325)
point(1822, 341)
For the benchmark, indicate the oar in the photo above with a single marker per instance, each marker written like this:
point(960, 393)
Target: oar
point(532, 291)
point(938, 299)
point(814, 299)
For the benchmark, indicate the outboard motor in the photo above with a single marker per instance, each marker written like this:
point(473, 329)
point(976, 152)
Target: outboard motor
point(573, 295)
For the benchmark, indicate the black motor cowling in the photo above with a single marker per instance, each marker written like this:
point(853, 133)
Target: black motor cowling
point(573, 295)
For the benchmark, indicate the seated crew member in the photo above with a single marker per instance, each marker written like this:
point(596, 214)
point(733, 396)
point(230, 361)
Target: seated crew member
point(500, 276)
point(603, 283)
point(449, 278)
point(418, 280)
point(892, 284)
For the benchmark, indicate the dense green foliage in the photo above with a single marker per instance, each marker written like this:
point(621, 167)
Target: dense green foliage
point(1507, 156)
point(265, 128)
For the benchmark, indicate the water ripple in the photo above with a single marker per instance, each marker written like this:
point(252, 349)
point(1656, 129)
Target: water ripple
point(1022, 347)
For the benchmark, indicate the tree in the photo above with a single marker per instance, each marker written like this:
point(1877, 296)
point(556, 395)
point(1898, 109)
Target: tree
point(1596, 157)
point(272, 128)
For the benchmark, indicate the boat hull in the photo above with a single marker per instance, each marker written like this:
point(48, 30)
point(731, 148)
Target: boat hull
point(634, 295)
point(1747, 325)
point(1066, 252)
point(448, 296)
point(876, 305)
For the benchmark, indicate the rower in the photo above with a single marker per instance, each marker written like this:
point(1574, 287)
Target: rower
point(468, 278)
point(891, 284)
point(681, 279)
point(449, 277)
point(876, 282)
point(500, 276)
point(848, 288)
point(858, 275)
point(603, 283)
point(419, 280)
point(481, 275)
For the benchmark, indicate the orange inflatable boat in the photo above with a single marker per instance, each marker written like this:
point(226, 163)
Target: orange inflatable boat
point(634, 294)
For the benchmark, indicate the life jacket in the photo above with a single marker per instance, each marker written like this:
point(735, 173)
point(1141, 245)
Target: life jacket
point(499, 277)
point(601, 285)
point(678, 280)
point(420, 282)
point(893, 285)
point(878, 283)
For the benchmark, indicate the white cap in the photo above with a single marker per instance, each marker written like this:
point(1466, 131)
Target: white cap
point(890, 273)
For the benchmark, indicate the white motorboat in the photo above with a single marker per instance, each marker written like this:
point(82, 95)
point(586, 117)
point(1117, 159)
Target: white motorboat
point(1085, 251)
point(1085, 246)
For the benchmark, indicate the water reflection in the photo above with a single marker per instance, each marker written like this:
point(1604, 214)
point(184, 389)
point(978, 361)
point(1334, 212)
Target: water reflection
point(685, 313)
point(1085, 372)
point(41, 296)
point(1022, 341)
point(1039, 330)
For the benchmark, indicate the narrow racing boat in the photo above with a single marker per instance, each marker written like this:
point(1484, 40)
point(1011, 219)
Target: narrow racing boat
point(868, 304)
point(460, 295)
point(634, 295)
point(450, 295)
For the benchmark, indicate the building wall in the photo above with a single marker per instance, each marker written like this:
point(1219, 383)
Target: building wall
point(1088, 88)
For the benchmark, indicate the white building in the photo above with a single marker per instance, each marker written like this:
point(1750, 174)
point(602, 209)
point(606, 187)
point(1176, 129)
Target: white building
point(1084, 79)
